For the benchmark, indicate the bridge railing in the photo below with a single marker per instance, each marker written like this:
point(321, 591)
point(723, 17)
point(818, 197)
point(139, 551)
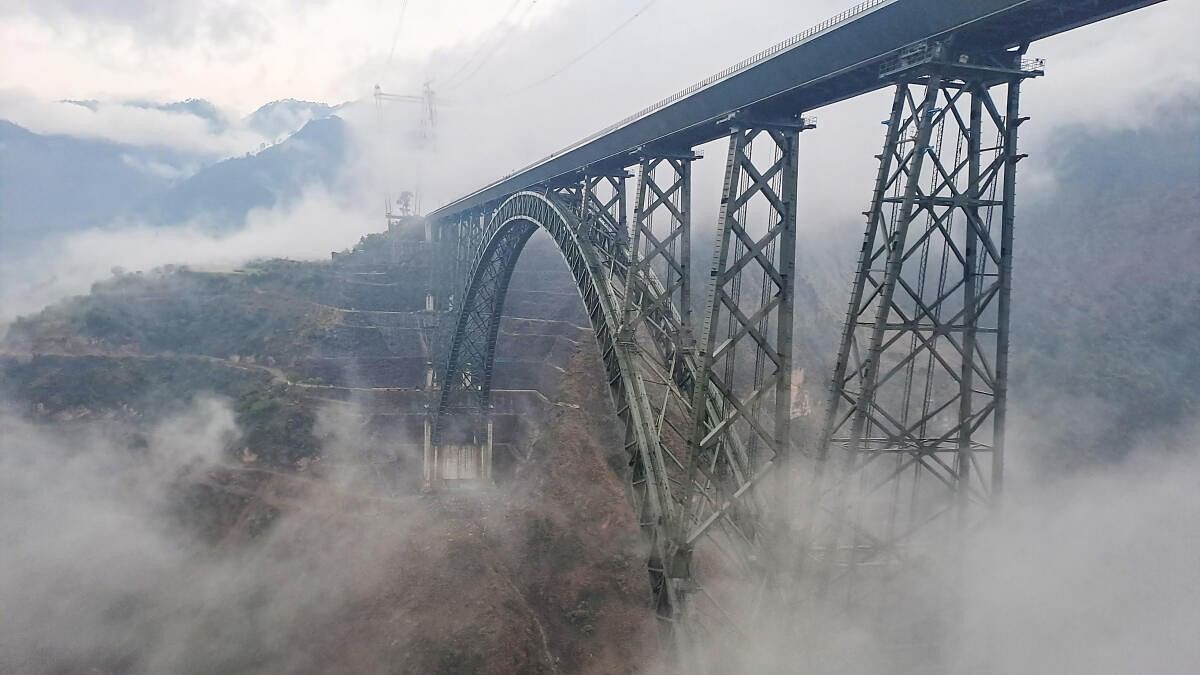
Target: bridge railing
point(831, 22)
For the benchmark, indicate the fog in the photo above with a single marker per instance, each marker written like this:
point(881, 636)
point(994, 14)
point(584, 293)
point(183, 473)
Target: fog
point(106, 568)
point(133, 124)
point(1091, 567)
point(1096, 571)
point(1093, 571)
point(318, 223)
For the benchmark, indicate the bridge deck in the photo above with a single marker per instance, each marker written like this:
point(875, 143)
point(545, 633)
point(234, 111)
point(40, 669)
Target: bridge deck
point(833, 61)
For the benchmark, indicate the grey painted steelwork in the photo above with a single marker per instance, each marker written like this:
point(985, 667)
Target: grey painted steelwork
point(465, 388)
point(814, 69)
point(911, 453)
point(703, 427)
point(912, 448)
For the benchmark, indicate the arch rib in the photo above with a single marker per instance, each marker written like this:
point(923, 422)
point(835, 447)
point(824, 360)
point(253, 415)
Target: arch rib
point(467, 371)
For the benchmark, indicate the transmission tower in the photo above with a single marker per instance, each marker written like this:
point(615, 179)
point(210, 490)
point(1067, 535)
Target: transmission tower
point(424, 137)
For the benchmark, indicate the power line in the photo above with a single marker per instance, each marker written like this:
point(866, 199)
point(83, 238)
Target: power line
point(493, 44)
point(499, 41)
point(587, 51)
point(579, 57)
point(396, 34)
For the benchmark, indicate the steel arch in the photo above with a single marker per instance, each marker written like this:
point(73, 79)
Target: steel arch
point(701, 443)
point(467, 372)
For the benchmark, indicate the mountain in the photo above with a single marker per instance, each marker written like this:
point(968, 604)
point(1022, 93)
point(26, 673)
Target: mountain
point(280, 118)
point(55, 183)
point(1105, 318)
point(222, 194)
point(196, 107)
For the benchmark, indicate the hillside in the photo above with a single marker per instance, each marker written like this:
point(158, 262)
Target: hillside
point(243, 449)
point(57, 183)
point(222, 194)
point(310, 496)
point(1104, 322)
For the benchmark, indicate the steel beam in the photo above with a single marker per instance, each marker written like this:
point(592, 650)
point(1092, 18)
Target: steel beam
point(741, 402)
point(910, 455)
point(662, 234)
point(830, 62)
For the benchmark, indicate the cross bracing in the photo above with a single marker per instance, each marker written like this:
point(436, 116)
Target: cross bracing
point(911, 455)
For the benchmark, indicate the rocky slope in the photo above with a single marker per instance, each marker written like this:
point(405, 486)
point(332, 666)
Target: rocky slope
point(306, 543)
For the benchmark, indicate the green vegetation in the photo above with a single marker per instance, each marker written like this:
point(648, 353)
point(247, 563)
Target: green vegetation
point(276, 420)
point(177, 310)
point(277, 425)
point(142, 346)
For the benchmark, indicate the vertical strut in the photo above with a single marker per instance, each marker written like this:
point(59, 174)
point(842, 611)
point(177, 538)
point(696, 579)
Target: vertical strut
point(658, 282)
point(883, 183)
point(1013, 121)
point(921, 372)
point(741, 404)
point(966, 395)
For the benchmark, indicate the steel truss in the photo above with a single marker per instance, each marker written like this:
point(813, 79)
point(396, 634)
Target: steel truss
point(466, 379)
point(695, 477)
point(912, 450)
point(660, 274)
point(741, 403)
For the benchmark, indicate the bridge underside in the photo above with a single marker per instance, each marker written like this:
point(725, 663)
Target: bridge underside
point(915, 420)
point(740, 524)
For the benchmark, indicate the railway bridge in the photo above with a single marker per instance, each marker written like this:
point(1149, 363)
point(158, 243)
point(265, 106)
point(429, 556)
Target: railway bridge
point(736, 515)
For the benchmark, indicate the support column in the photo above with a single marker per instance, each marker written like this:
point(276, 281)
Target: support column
point(1012, 122)
point(485, 473)
point(741, 404)
point(429, 463)
point(919, 387)
point(658, 284)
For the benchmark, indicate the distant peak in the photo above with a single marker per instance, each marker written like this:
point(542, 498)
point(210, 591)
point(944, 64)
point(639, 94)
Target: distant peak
point(284, 117)
point(90, 104)
point(293, 103)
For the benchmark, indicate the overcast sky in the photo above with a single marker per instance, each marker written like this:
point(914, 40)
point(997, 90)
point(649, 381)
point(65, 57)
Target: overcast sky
point(518, 79)
point(241, 54)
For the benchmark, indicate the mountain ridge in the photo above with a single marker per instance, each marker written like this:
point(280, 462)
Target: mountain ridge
point(52, 184)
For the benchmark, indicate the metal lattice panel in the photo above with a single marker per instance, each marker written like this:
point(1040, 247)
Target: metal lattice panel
point(660, 273)
point(741, 404)
point(911, 455)
point(467, 372)
point(911, 452)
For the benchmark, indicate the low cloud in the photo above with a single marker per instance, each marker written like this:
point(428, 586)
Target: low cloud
point(1095, 570)
point(323, 218)
point(106, 566)
point(85, 524)
point(130, 124)
point(156, 22)
point(1098, 571)
point(309, 229)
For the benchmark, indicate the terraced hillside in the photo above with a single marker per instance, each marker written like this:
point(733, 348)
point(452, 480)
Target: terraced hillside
point(314, 504)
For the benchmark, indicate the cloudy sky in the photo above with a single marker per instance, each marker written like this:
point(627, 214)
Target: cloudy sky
point(514, 80)
point(240, 54)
